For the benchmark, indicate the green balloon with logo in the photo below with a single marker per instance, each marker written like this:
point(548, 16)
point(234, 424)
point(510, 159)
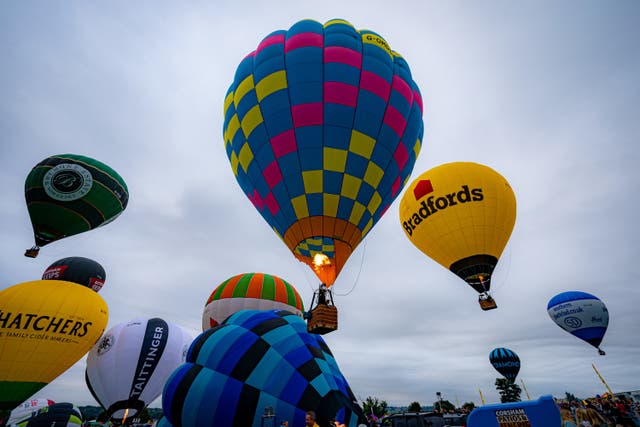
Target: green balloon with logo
point(69, 194)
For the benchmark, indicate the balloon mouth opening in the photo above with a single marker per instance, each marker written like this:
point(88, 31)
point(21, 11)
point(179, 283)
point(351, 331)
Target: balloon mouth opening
point(476, 270)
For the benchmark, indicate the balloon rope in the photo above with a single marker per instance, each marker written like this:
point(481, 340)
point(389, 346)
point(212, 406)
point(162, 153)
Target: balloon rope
point(364, 249)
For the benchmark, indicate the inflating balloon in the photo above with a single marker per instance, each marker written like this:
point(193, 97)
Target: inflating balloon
point(322, 128)
point(83, 271)
point(27, 409)
point(581, 314)
point(250, 291)
point(128, 367)
point(461, 215)
point(45, 327)
point(506, 362)
point(258, 361)
point(68, 194)
point(55, 415)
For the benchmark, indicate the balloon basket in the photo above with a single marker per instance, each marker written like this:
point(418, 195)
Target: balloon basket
point(487, 303)
point(324, 319)
point(32, 253)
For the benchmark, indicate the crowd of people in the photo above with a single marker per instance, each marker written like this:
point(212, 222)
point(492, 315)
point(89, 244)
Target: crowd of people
point(600, 412)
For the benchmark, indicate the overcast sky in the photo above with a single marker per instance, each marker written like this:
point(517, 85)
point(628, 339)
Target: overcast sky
point(545, 92)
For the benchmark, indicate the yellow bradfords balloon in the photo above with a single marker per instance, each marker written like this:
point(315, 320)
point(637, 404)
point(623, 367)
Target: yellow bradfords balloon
point(45, 327)
point(461, 214)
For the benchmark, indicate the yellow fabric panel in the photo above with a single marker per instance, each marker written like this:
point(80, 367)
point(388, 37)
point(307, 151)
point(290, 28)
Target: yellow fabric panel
point(232, 127)
point(234, 163)
point(312, 181)
point(330, 204)
point(374, 203)
point(350, 186)
point(300, 206)
point(361, 144)
point(245, 156)
point(337, 21)
point(251, 120)
point(228, 100)
point(334, 159)
point(48, 326)
point(356, 212)
point(271, 83)
point(459, 224)
point(373, 174)
point(242, 89)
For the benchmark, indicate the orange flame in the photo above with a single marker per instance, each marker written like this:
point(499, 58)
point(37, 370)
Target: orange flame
point(126, 412)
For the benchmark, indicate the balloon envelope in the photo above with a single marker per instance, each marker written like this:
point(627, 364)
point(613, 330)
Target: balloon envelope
point(250, 291)
point(257, 361)
point(27, 409)
point(128, 367)
point(322, 128)
point(506, 362)
point(581, 314)
point(45, 327)
point(68, 194)
point(84, 271)
point(461, 215)
point(55, 415)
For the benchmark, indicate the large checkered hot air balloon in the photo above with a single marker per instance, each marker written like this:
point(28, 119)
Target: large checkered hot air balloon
point(322, 127)
point(258, 363)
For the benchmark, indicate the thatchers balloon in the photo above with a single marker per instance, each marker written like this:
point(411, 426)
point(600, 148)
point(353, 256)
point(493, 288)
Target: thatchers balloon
point(256, 360)
point(461, 215)
point(69, 194)
point(250, 291)
point(506, 362)
point(322, 128)
point(128, 367)
point(581, 314)
point(76, 269)
point(45, 327)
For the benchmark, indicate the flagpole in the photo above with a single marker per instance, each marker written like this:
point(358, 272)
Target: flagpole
point(525, 389)
point(603, 382)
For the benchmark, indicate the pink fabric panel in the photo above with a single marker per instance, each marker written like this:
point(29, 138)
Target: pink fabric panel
point(402, 88)
point(275, 39)
point(272, 204)
point(401, 156)
point(394, 120)
point(303, 40)
point(343, 55)
point(272, 174)
point(340, 93)
point(307, 114)
point(376, 84)
point(284, 143)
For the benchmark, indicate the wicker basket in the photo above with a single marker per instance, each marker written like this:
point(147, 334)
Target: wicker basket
point(324, 319)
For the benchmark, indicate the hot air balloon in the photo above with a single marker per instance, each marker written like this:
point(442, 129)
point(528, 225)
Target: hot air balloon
point(68, 194)
point(258, 362)
point(128, 367)
point(45, 327)
point(581, 314)
point(83, 271)
point(55, 415)
point(27, 409)
point(250, 291)
point(461, 215)
point(506, 362)
point(322, 128)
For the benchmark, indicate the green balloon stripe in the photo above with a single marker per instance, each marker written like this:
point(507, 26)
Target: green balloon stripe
point(51, 221)
point(13, 393)
point(38, 200)
point(269, 284)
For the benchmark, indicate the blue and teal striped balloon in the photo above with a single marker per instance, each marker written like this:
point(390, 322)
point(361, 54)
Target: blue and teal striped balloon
point(257, 361)
point(323, 124)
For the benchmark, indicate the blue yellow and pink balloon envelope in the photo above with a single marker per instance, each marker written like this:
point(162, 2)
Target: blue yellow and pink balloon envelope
point(255, 361)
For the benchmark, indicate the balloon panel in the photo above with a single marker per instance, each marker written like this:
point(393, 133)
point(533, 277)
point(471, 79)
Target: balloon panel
point(128, 367)
point(45, 327)
point(581, 314)
point(68, 194)
point(83, 271)
point(506, 362)
point(459, 210)
point(322, 128)
point(57, 414)
point(250, 291)
point(255, 360)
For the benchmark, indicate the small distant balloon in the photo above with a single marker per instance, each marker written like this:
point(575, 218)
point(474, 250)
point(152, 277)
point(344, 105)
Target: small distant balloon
point(506, 362)
point(581, 314)
point(250, 291)
point(84, 271)
point(69, 194)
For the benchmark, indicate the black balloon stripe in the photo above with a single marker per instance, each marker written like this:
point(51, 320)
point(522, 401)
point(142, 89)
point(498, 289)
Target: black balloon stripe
point(245, 412)
point(250, 360)
point(180, 394)
point(87, 211)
